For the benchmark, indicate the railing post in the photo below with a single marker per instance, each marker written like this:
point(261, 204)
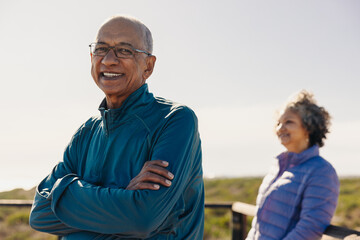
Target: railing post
point(239, 212)
point(238, 226)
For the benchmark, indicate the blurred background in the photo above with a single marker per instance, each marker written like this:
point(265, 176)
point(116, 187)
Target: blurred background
point(233, 62)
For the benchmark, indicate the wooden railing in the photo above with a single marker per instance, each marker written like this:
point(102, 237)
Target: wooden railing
point(241, 210)
point(15, 203)
point(239, 213)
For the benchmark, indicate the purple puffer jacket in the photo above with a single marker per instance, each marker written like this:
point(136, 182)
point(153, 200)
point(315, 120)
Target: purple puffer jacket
point(297, 199)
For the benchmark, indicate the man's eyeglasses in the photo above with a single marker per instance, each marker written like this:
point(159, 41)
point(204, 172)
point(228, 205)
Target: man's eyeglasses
point(121, 51)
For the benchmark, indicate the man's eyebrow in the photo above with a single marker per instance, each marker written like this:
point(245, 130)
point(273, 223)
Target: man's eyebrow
point(119, 44)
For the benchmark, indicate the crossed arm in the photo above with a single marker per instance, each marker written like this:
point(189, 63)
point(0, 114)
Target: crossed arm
point(43, 218)
point(64, 203)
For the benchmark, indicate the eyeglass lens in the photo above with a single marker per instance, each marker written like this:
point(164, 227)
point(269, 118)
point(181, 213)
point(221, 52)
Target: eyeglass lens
point(103, 49)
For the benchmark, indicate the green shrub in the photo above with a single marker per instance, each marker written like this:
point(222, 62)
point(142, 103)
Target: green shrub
point(21, 217)
point(19, 236)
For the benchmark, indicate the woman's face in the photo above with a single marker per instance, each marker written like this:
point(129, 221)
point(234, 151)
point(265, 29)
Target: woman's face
point(291, 132)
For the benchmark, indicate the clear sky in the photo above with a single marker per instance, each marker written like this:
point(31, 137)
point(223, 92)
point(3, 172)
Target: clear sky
point(234, 62)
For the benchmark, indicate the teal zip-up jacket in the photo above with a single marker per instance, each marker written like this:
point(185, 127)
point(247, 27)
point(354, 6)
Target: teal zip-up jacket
point(85, 195)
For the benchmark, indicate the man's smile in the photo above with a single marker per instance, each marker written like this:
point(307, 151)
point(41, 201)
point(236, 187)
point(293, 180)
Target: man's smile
point(110, 75)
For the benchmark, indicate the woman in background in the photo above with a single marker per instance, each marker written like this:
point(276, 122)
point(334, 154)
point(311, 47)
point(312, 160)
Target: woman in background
point(298, 197)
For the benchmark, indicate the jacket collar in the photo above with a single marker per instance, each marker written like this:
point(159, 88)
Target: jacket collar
point(130, 106)
point(291, 159)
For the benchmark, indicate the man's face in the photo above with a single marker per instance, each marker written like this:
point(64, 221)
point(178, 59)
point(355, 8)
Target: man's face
point(119, 77)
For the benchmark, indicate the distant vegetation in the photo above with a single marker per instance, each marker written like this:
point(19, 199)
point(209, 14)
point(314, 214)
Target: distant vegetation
point(14, 221)
point(218, 221)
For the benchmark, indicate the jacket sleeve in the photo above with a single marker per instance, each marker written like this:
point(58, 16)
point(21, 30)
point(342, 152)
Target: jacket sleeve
point(318, 205)
point(81, 205)
point(42, 218)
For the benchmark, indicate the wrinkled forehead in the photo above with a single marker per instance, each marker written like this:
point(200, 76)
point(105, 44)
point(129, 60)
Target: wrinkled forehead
point(118, 31)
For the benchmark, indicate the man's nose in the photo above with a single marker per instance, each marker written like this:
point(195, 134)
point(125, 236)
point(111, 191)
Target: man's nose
point(110, 58)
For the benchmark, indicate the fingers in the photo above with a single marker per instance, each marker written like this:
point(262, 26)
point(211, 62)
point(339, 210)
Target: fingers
point(148, 180)
point(152, 175)
point(160, 163)
point(152, 178)
point(143, 185)
point(155, 178)
point(158, 167)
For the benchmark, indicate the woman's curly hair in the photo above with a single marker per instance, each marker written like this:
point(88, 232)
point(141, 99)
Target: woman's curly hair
point(315, 119)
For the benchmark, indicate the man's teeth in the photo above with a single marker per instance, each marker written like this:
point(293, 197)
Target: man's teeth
point(112, 74)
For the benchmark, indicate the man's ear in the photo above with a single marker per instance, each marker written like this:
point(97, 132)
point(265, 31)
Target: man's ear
point(150, 64)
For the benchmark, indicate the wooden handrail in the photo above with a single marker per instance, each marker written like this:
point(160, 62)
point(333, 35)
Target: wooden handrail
point(219, 205)
point(244, 208)
point(15, 203)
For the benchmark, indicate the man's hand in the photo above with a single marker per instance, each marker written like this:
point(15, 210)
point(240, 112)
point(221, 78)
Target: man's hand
point(151, 175)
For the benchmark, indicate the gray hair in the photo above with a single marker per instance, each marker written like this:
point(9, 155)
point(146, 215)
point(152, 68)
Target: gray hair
point(315, 119)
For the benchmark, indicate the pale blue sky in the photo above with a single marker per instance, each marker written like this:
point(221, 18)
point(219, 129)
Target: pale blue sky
point(234, 62)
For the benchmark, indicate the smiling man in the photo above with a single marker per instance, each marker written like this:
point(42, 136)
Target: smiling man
point(135, 171)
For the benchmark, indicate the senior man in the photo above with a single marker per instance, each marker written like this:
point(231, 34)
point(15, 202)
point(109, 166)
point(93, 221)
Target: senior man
point(135, 171)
